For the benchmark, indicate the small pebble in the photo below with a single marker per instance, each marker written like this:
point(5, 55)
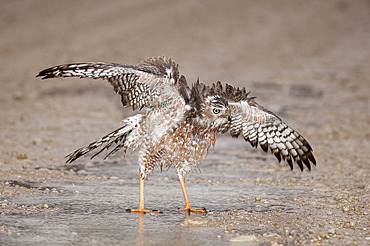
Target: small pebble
point(36, 141)
point(321, 235)
point(21, 156)
point(332, 231)
point(244, 239)
point(361, 186)
point(229, 227)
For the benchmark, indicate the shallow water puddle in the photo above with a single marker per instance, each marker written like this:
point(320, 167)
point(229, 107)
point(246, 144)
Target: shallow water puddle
point(93, 212)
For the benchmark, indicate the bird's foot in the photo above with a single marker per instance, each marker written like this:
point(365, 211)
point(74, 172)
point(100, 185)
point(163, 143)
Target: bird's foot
point(195, 210)
point(138, 210)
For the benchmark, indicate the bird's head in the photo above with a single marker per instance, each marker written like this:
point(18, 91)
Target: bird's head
point(216, 112)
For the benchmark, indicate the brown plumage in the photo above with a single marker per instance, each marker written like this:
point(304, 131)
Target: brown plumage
point(181, 121)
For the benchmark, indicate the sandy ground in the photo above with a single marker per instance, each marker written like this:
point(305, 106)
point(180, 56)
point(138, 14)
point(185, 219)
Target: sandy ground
point(308, 61)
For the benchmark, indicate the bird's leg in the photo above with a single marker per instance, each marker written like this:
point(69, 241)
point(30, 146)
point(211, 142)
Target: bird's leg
point(188, 206)
point(141, 208)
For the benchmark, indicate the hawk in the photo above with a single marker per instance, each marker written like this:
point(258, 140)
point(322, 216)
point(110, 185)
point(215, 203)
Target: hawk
point(177, 123)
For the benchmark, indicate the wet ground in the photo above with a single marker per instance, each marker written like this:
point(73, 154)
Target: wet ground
point(307, 62)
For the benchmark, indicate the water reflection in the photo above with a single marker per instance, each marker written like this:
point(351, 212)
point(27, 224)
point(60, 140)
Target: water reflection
point(140, 230)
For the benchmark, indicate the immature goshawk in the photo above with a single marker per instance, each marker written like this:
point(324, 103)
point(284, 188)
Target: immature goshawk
point(181, 121)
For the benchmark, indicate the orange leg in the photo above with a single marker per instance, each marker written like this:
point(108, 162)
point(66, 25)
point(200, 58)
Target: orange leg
point(188, 206)
point(141, 208)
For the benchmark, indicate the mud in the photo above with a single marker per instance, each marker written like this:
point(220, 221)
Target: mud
point(306, 61)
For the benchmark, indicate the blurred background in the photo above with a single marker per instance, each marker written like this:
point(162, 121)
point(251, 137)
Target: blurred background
point(215, 40)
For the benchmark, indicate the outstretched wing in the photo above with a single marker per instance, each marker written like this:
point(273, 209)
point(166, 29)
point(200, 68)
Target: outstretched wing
point(137, 84)
point(259, 125)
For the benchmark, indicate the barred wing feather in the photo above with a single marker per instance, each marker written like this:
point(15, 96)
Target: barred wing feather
point(260, 126)
point(137, 84)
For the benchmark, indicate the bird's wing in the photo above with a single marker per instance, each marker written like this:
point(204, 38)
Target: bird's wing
point(259, 125)
point(137, 84)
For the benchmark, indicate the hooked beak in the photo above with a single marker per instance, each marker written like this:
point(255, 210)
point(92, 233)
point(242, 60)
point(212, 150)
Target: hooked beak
point(229, 117)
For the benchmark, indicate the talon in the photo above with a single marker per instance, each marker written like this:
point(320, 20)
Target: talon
point(143, 211)
point(194, 210)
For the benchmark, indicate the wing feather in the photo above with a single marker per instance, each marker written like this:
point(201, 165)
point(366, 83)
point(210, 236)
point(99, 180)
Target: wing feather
point(260, 126)
point(137, 84)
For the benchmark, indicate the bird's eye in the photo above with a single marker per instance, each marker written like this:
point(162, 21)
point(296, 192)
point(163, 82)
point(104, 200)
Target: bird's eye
point(216, 111)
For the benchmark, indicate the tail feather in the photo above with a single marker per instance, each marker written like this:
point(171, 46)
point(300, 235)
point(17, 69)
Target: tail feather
point(117, 137)
point(121, 139)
